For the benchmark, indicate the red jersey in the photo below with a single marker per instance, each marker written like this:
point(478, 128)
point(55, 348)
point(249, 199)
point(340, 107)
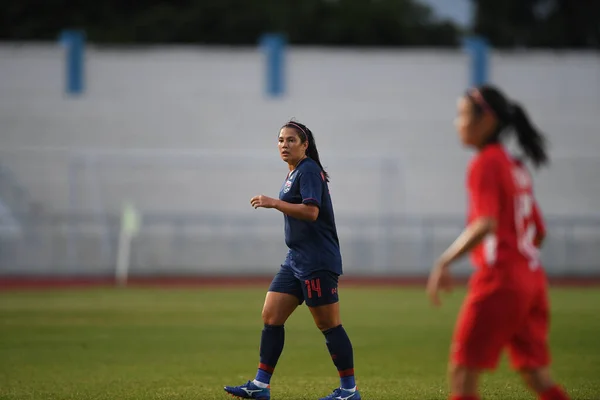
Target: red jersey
point(500, 187)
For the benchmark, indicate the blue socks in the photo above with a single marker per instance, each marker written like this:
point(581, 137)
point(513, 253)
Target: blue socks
point(340, 348)
point(338, 344)
point(271, 347)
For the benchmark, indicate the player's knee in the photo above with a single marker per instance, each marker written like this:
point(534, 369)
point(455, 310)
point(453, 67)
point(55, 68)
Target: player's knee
point(324, 325)
point(270, 318)
point(326, 321)
point(273, 316)
point(326, 317)
point(538, 379)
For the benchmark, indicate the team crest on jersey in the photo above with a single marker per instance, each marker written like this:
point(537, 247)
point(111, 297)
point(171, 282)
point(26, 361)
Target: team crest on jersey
point(287, 186)
point(288, 183)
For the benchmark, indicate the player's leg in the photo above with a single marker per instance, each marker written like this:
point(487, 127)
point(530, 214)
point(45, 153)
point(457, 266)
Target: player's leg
point(529, 350)
point(482, 330)
point(540, 381)
point(464, 382)
point(283, 297)
point(463, 375)
point(276, 310)
point(321, 295)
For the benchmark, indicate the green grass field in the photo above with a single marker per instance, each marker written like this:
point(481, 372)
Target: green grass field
point(188, 343)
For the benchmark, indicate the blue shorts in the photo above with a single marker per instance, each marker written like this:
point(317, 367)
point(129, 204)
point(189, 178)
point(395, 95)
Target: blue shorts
point(317, 289)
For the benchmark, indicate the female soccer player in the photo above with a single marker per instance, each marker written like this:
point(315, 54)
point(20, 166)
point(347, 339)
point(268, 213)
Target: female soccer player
point(311, 268)
point(507, 303)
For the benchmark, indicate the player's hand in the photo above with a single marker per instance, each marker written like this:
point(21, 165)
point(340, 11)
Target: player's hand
point(263, 201)
point(439, 279)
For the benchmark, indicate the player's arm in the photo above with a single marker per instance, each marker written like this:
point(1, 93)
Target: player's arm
point(439, 277)
point(484, 188)
point(485, 193)
point(307, 212)
point(475, 232)
point(311, 190)
point(304, 211)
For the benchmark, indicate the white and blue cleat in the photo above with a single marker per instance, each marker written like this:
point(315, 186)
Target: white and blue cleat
point(343, 394)
point(249, 391)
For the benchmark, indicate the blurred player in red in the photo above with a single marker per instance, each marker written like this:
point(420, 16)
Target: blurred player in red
point(507, 303)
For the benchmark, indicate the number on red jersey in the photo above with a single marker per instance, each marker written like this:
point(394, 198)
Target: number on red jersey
point(525, 219)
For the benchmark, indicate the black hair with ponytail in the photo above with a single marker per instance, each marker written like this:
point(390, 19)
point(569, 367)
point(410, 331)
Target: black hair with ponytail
point(305, 134)
point(510, 115)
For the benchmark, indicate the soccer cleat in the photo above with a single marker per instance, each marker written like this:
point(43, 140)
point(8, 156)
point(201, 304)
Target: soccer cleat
point(249, 391)
point(343, 394)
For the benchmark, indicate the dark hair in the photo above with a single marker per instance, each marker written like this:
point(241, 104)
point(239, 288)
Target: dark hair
point(305, 134)
point(510, 115)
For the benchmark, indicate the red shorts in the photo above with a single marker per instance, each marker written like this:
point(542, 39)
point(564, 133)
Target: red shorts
point(491, 320)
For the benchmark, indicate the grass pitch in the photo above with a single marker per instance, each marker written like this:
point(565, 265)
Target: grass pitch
point(187, 343)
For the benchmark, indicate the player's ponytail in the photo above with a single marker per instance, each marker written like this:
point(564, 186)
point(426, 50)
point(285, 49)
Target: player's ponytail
point(530, 140)
point(305, 134)
point(510, 115)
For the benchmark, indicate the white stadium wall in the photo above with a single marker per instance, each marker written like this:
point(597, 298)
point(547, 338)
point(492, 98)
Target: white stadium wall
point(190, 129)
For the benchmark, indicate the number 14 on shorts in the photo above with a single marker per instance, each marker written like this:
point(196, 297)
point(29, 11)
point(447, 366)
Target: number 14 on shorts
point(313, 285)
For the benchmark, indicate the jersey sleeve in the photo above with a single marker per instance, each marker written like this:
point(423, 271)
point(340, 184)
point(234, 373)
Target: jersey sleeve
point(485, 189)
point(311, 188)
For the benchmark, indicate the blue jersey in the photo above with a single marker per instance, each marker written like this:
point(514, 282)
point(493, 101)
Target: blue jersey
point(314, 246)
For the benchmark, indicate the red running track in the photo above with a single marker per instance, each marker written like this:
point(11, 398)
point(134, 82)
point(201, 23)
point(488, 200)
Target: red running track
point(17, 283)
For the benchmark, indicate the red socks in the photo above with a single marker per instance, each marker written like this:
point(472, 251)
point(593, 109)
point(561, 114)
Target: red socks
point(464, 397)
point(554, 393)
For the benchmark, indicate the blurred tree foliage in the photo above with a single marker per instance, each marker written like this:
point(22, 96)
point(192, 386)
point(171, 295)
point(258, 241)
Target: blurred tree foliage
point(237, 22)
point(506, 23)
point(539, 23)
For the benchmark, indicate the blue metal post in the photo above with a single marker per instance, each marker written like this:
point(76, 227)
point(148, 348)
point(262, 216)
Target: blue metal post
point(478, 49)
point(273, 45)
point(74, 41)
